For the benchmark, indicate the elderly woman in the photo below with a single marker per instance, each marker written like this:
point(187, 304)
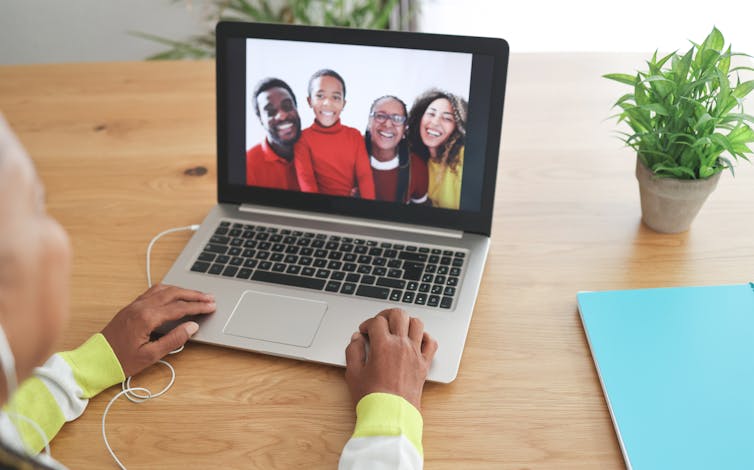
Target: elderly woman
point(397, 177)
point(437, 133)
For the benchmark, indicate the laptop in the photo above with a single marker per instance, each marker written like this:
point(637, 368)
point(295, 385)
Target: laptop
point(315, 229)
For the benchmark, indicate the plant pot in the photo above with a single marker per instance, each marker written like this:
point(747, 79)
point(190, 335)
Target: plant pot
point(669, 205)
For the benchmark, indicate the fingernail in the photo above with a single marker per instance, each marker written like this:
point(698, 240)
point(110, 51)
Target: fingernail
point(191, 327)
point(355, 336)
point(210, 297)
point(212, 305)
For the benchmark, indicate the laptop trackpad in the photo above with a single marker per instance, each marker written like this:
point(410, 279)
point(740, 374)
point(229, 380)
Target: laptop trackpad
point(276, 318)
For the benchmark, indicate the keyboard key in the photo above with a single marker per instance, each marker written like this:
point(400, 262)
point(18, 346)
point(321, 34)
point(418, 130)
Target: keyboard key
point(278, 267)
point(265, 265)
point(348, 288)
point(323, 273)
point(434, 259)
point(412, 271)
point(334, 265)
point(364, 269)
point(288, 280)
point(338, 275)
point(332, 286)
point(349, 267)
point(420, 257)
point(442, 270)
point(219, 240)
point(230, 271)
point(446, 302)
point(249, 253)
point(411, 248)
point(236, 232)
point(439, 279)
point(204, 256)
point(423, 250)
point(235, 251)
point(394, 263)
point(445, 260)
point(424, 287)
point(379, 271)
point(224, 223)
point(276, 257)
point(374, 292)
point(427, 278)
point(216, 268)
point(436, 289)
point(412, 285)
point(390, 282)
point(308, 272)
point(368, 279)
point(319, 263)
point(450, 291)
point(353, 277)
point(395, 295)
point(293, 269)
point(447, 253)
point(397, 273)
point(408, 297)
point(244, 273)
point(433, 301)
point(236, 242)
point(452, 281)
point(431, 268)
point(457, 262)
point(211, 248)
point(200, 267)
point(421, 299)
point(263, 254)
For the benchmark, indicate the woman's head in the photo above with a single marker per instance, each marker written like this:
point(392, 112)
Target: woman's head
point(386, 128)
point(34, 261)
point(437, 126)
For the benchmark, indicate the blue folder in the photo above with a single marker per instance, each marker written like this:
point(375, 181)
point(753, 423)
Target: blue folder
point(677, 369)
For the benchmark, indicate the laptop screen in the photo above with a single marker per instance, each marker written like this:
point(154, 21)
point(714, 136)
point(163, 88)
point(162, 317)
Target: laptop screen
point(360, 123)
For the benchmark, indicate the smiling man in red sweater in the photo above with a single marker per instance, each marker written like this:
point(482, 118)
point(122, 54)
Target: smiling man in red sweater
point(330, 158)
point(270, 163)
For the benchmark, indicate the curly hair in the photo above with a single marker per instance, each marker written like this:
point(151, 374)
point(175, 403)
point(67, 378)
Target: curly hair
point(402, 145)
point(449, 152)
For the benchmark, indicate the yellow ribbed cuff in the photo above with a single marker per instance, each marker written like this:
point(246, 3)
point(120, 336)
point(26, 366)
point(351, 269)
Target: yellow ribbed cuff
point(34, 401)
point(384, 414)
point(95, 366)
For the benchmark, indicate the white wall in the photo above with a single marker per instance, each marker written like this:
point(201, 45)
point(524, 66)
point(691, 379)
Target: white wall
point(589, 25)
point(34, 31)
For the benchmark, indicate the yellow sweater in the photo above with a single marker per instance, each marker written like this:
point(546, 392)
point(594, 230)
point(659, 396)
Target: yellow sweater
point(445, 184)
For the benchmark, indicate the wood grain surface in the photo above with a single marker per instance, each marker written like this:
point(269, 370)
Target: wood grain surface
point(127, 150)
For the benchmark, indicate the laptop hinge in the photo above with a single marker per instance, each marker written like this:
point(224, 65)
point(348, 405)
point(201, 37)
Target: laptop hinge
point(378, 224)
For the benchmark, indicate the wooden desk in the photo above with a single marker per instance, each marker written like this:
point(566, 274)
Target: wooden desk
point(120, 148)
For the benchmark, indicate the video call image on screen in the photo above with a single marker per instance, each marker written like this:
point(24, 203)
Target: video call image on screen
point(357, 121)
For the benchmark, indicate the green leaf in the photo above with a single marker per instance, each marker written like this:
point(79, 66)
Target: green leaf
point(743, 89)
point(714, 41)
point(622, 78)
point(655, 107)
point(741, 135)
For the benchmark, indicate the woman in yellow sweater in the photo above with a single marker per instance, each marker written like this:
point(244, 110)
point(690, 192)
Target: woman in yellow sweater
point(437, 133)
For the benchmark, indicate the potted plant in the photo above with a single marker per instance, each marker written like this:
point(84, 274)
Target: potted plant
point(687, 121)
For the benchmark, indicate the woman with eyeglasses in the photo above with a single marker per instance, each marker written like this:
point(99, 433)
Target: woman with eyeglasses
point(437, 133)
point(398, 177)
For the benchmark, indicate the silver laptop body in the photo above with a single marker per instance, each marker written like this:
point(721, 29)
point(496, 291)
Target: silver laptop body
point(269, 310)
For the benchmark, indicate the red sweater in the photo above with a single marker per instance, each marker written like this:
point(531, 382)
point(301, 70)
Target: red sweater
point(386, 182)
point(265, 168)
point(333, 160)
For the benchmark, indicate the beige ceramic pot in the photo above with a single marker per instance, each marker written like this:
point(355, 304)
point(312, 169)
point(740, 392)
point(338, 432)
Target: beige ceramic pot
point(669, 205)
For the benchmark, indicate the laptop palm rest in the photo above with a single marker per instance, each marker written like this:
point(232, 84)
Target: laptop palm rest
point(276, 318)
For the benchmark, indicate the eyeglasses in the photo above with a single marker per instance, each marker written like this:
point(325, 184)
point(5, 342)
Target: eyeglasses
point(397, 119)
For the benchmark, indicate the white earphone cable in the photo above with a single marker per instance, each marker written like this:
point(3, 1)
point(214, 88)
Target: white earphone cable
point(131, 392)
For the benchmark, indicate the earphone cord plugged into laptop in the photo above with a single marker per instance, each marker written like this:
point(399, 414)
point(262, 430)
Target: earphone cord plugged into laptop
point(141, 394)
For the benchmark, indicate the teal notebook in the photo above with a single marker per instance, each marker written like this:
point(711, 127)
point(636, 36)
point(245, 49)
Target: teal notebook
point(677, 369)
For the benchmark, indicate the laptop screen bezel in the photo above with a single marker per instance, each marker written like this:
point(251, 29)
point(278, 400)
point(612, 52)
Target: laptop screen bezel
point(467, 221)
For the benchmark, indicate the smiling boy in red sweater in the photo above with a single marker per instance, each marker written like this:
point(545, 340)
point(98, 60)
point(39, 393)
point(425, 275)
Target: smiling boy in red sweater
point(331, 158)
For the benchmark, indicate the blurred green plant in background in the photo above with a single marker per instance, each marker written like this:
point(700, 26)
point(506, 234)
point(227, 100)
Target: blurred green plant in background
point(365, 14)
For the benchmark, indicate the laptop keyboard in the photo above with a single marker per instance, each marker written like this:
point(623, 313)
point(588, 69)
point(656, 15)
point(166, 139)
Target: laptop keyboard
point(403, 273)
